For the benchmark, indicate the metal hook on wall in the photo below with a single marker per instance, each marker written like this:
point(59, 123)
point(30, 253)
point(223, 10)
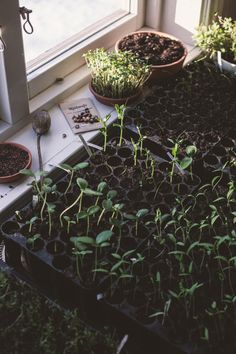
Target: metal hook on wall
point(25, 13)
point(2, 42)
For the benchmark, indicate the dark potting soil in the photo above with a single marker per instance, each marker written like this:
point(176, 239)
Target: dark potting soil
point(152, 48)
point(12, 160)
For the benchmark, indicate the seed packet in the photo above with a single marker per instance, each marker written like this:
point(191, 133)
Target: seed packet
point(81, 115)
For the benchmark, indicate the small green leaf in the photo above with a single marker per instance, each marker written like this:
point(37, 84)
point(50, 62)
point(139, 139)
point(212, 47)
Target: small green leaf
point(82, 183)
point(93, 209)
point(111, 194)
point(191, 150)
point(101, 186)
point(107, 204)
point(85, 239)
point(116, 255)
point(186, 162)
point(129, 216)
point(103, 236)
point(81, 215)
point(142, 212)
point(66, 167)
point(100, 270)
point(90, 192)
point(81, 166)
point(28, 173)
point(117, 265)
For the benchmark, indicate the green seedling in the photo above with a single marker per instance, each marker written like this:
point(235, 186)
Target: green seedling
point(71, 170)
point(69, 223)
point(107, 204)
point(103, 130)
point(31, 222)
point(120, 110)
point(91, 211)
point(100, 188)
point(84, 190)
point(137, 217)
point(50, 210)
point(141, 140)
point(135, 152)
point(47, 187)
point(31, 240)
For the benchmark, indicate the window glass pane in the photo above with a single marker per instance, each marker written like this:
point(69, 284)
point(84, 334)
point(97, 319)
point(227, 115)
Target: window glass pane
point(181, 17)
point(55, 21)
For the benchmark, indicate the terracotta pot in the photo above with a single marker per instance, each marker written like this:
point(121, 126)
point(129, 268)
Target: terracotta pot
point(112, 101)
point(18, 175)
point(161, 71)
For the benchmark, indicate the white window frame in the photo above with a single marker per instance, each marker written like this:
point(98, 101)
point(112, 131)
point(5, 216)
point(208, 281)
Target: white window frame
point(66, 63)
point(15, 90)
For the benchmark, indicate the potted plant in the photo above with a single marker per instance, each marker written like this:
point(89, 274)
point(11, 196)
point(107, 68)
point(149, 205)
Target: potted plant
point(117, 78)
point(218, 39)
point(13, 158)
point(165, 53)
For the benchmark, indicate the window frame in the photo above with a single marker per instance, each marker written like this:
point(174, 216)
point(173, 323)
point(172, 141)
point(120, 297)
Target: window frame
point(131, 19)
point(13, 91)
point(18, 88)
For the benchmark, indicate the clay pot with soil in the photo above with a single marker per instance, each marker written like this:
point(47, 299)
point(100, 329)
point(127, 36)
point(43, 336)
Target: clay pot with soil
point(117, 78)
point(13, 158)
point(165, 53)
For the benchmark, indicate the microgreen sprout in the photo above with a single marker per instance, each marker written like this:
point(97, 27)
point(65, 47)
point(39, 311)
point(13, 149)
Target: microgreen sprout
point(120, 110)
point(116, 75)
point(50, 210)
point(135, 152)
point(69, 223)
point(71, 171)
point(141, 140)
point(103, 130)
point(137, 217)
point(31, 222)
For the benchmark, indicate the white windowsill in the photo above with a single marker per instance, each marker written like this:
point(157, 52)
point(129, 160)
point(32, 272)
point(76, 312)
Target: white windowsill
point(55, 148)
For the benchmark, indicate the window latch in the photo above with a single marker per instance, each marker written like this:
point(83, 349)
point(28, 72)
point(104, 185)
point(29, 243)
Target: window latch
point(2, 42)
point(25, 14)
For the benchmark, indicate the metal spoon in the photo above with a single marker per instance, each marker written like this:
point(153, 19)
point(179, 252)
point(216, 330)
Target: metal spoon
point(41, 124)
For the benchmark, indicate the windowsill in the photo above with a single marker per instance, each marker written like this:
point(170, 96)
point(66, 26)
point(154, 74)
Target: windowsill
point(55, 148)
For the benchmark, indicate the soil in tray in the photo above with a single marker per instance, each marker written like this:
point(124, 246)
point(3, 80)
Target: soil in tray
point(198, 99)
point(12, 160)
point(154, 49)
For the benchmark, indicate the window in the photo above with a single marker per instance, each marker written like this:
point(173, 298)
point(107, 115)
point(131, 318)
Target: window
point(17, 89)
point(59, 21)
point(108, 20)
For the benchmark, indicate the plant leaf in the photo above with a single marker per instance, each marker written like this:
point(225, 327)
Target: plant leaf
point(186, 162)
point(101, 186)
point(93, 209)
point(141, 212)
point(107, 204)
point(85, 239)
point(103, 236)
point(111, 194)
point(191, 150)
point(89, 191)
point(28, 173)
point(81, 166)
point(82, 183)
